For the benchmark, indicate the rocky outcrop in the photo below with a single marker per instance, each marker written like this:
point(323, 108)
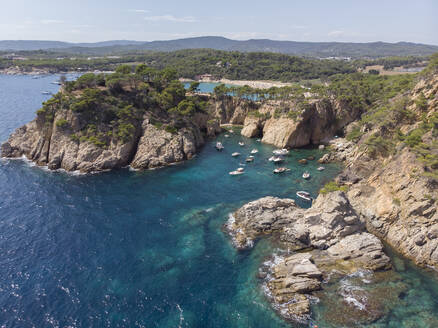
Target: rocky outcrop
point(330, 219)
point(230, 110)
point(252, 126)
point(395, 195)
point(331, 233)
point(149, 146)
point(316, 123)
point(158, 148)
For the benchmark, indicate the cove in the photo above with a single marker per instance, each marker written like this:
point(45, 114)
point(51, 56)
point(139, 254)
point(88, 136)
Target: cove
point(147, 249)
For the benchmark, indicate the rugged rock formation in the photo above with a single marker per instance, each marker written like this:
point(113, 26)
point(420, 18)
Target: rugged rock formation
point(330, 227)
point(149, 146)
point(394, 195)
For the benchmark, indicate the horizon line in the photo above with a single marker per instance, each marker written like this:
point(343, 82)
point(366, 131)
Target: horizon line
point(212, 36)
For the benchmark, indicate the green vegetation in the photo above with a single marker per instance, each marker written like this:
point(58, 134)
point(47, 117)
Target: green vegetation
point(332, 186)
point(113, 105)
point(193, 62)
point(393, 61)
point(62, 123)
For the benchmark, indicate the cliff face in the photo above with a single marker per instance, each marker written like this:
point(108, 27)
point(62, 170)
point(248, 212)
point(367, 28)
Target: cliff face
point(148, 145)
point(397, 195)
point(319, 121)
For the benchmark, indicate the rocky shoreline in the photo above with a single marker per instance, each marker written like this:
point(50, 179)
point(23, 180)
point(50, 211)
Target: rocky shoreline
point(390, 199)
point(329, 237)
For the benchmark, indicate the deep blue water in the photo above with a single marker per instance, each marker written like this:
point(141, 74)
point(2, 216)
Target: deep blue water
point(144, 249)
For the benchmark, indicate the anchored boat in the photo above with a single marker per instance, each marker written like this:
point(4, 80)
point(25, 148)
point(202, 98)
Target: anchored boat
point(304, 195)
point(219, 146)
point(281, 170)
point(281, 152)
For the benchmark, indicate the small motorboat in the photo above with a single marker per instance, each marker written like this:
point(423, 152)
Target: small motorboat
point(56, 82)
point(281, 170)
point(304, 195)
point(281, 152)
point(321, 168)
point(241, 144)
point(227, 136)
point(231, 131)
point(302, 161)
point(237, 172)
point(46, 93)
point(235, 154)
point(249, 159)
point(219, 146)
point(258, 140)
point(254, 151)
point(306, 175)
point(278, 160)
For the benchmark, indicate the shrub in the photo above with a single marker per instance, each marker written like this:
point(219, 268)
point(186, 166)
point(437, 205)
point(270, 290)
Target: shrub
point(332, 186)
point(171, 129)
point(377, 145)
point(354, 135)
point(125, 131)
point(61, 123)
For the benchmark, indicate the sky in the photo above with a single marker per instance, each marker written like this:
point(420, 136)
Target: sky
point(304, 20)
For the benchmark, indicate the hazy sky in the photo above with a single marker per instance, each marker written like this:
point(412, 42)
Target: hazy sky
point(304, 20)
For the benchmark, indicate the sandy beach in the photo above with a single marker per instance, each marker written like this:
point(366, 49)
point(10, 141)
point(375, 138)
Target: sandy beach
point(252, 84)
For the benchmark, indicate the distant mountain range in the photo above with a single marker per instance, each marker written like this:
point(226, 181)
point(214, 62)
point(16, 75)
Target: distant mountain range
point(314, 49)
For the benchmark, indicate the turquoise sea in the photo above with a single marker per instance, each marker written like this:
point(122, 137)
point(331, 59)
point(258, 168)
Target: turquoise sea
point(147, 249)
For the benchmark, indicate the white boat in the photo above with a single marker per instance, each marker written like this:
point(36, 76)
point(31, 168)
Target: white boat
point(219, 146)
point(227, 136)
point(258, 140)
point(306, 175)
point(231, 131)
point(235, 154)
point(304, 195)
point(321, 168)
point(281, 152)
point(278, 160)
point(241, 144)
point(46, 93)
point(271, 159)
point(240, 169)
point(56, 82)
point(254, 151)
point(281, 170)
point(249, 159)
point(237, 172)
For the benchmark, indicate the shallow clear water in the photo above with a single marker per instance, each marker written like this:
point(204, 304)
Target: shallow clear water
point(144, 249)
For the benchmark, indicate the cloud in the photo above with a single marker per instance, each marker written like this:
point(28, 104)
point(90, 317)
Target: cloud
point(51, 21)
point(171, 18)
point(336, 33)
point(139, 11)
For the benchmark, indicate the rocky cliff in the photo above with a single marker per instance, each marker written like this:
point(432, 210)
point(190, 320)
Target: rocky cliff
point(149, 145)
point(391, 174)
point(395, 191)
point(286, 123)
